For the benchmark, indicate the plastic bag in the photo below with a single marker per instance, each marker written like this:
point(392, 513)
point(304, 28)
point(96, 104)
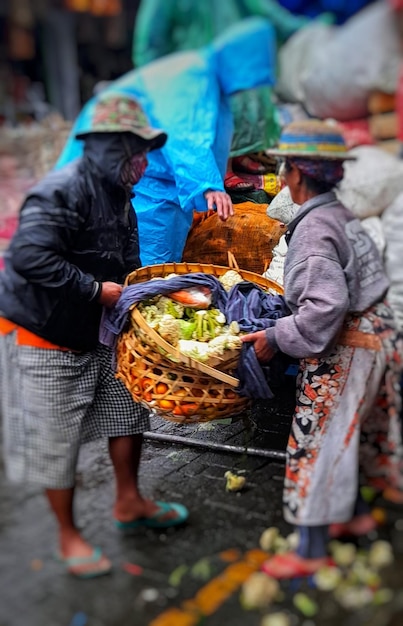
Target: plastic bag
point(194, 297)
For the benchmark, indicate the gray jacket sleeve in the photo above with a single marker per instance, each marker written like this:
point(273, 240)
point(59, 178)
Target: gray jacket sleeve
point(317, 294)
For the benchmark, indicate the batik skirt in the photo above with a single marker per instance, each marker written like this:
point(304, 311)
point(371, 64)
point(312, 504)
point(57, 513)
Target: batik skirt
point(346, 429)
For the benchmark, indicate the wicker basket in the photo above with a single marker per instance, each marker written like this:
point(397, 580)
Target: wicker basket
point(170, 383)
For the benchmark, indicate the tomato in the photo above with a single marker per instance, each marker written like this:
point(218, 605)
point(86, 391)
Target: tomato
point(161, 388)
point(180, 392)
point(146, 383)
point(189, 409)
point(166, 404)
point(177, 410)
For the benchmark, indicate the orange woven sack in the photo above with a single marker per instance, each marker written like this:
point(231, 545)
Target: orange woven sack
point(249, 234)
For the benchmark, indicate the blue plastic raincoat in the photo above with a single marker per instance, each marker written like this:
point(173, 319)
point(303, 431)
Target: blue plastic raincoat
point(187, 95)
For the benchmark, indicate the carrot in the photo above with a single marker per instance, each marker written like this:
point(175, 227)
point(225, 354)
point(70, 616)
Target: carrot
point(194, 297)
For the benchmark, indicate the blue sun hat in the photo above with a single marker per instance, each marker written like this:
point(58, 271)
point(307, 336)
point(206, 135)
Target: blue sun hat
point(312, 139)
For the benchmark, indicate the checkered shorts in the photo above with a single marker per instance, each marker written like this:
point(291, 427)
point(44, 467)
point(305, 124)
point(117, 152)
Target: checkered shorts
point(51, 402)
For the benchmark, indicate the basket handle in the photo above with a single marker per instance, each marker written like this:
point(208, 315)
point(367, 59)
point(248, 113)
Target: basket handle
point(187, 360)
point(232, 263)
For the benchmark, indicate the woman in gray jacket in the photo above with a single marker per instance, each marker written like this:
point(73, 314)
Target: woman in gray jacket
point(345, 428)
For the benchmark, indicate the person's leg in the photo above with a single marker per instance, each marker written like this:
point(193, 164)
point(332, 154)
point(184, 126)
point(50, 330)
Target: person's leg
point(71, 543)
point(321, 480)
point(310, 555)
point(54, 379)
point(130, 505)
point(116, 416)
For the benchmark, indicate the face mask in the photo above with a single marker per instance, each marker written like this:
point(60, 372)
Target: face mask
point(134, 169)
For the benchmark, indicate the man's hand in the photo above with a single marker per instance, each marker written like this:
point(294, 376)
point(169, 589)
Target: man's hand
point(220, 201)
point(110, 293)
point(264, 352)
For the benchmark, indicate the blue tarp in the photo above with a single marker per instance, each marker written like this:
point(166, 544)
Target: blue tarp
point(187, 95)
point(341, 9)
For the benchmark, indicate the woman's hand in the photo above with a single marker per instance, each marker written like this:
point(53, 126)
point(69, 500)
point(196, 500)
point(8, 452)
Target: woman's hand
point(110, 294)
point(264, 352)
point(220, 201)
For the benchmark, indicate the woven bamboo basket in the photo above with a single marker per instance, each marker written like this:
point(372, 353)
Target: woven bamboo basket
point(170, 383)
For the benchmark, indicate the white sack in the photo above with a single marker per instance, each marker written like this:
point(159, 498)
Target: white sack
point(282, 208)
point(275, 271)
point(296, 57)
point(361, 56)
point(371, 182)
point(392, 222)
point(373, 227)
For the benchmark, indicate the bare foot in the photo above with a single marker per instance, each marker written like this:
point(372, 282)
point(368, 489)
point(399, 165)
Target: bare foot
point(80, 557)
point(356, 527)
point(133, 509)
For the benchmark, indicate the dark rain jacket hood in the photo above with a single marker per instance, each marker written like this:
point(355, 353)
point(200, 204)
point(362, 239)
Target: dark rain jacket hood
point(105, 154)
point(77, 229)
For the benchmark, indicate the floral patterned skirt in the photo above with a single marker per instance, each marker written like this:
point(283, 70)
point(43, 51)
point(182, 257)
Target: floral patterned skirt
point(346, 428)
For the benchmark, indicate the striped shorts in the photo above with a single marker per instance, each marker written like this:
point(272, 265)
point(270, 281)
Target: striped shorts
point(51, 402)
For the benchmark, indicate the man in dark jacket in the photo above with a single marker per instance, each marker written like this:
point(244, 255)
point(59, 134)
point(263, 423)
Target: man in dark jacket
point(76, 241)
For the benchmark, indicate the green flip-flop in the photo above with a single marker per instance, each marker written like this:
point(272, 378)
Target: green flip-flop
point(76, 561)
point(155, 520)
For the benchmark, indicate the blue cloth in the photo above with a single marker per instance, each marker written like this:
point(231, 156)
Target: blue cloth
point(342, 9)
point(254, 310)
point(187, 94)
point(245, 303)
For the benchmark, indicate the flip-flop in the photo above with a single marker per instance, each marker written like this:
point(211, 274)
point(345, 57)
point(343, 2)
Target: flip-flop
point(234, 182)
point(281, 566)
point(77, 561)
point(155, 520)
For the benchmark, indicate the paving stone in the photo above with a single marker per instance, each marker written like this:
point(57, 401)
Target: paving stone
point(218, 521)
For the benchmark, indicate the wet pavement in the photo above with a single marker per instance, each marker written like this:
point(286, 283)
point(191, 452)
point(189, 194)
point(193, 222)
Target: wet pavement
point(182, 577)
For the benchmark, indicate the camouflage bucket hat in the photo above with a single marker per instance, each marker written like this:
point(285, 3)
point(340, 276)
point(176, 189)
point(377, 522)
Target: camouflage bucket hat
point(120, 114)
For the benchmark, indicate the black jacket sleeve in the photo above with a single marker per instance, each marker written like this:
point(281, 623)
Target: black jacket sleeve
point(40, 248)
